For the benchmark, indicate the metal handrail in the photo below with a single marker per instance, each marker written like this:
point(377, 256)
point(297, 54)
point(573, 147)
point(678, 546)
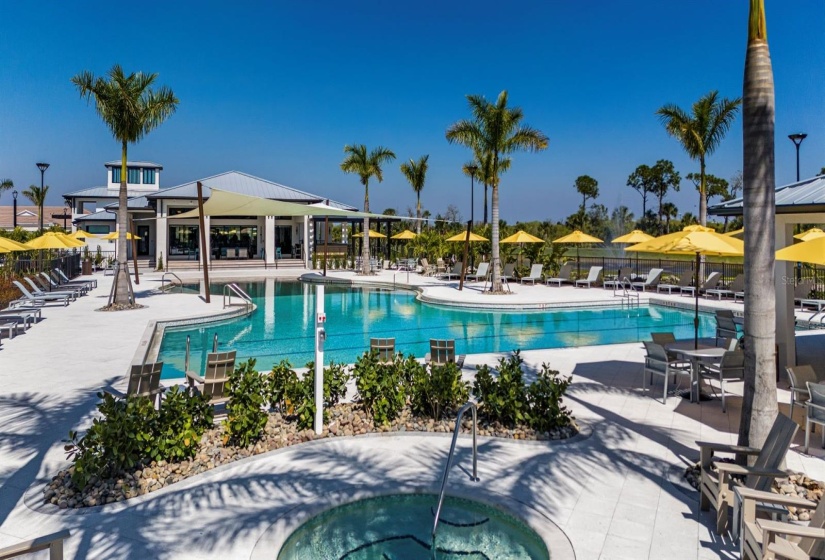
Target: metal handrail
point(474, 476)
point(163, 279)
point(228, 289)
point(629, 295)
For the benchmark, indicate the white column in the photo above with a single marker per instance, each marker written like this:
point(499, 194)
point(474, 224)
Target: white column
point(269, 239)
point(784, 282)
point(208, 250)
point(161, 236)
point(307, 245)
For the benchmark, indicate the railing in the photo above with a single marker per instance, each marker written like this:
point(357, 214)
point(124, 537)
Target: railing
point(474, 477)
point(53, 542)
point(69, 264)
point(163, 279)
point(229, 289)
point(628, 296)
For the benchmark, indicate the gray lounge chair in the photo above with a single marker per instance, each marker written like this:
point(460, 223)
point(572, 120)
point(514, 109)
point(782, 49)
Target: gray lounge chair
point(38, 291)
point(709, 284)
point(455, 272)
point(535, 274)
point(64, 278)
point(482, 273)
point(565, 273)
point(215, 376)
point(651, 281)
point(50, 284)
point(443, 352)
point(59, 282)
point(31, 299)
point(725, 325)
point(684, 281)
point(622, 279)
point(385, 348)
point(509, 272)
point(29, 315)
point(593, 277)
point(736, 286)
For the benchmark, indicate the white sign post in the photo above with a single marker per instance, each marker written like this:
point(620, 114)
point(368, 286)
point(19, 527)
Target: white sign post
point(320, 337)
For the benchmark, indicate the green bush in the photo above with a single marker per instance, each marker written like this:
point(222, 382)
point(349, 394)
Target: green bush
point(296, 396)
point(503, 399)
point(545, 396)
point(279, 380)
point(246, 417)
point(435, 391)
point(380, 387)
point(182, 420)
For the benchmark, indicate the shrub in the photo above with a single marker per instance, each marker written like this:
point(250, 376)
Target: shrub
point(278, 381)
point(545, 396)
point(296, 396)
point(380, 387)
point(182, 420)
point(437, 390)
point(246, 418)
point(503, 399)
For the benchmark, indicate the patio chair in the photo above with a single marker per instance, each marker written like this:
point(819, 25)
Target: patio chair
point(623, 278)
point(38, 290)
point(652, 280)
point(684, 281)
point(535, 274)
point(66, 279)
point(800, 376)
point(663, 339)
point(812, 302)
point(385, 265)
point(482, 273)
point(736, 286)
point(657, 362)
point(815, 411)
point(144, 381)
point(87, 286)
point(455, 272)
point(51, 284)
point(440, 266)
point(730, 368)
point(709, 284)
point(593, 277)
point(426, 268)
point(802, 291)
point(385, 348)
point(443, 352)
point(31, 299)
point(29, 316)
point(725, 325)
point(215, 376)
point(565, 273)
point(758, 534)
point(509, 271)
point(715, 486)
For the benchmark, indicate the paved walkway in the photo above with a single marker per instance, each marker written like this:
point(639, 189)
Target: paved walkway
point(611, 493)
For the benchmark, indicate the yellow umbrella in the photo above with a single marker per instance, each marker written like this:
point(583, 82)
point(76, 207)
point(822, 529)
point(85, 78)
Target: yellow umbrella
point(406, 234)
point(80, 234)
point(54, 240)
point(812, 251)
point(693, 239)
point(373, 234)
point(811, 234)
point(737, 233)
point(8, 245)
point(635, 236)
point(577, 237)
point(522, 236)
point(114, 235)
point(463, 236)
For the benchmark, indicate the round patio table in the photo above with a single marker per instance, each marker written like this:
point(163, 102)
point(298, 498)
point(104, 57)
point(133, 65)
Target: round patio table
point(695, 356)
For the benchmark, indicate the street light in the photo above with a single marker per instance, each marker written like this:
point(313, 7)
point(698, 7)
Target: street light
point(14, 196)
point(42, 167)
point(66, 214)
point(797, 140)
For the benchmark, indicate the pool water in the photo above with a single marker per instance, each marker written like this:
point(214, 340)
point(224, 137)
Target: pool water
point(282, 326)
point(399, 528)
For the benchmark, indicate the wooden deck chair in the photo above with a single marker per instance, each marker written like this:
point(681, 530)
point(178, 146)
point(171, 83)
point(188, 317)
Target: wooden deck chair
point(53, 543)
point(443, 352)
point(144, 381)
point(385, 348)
point(716, 486)
point(215, 376)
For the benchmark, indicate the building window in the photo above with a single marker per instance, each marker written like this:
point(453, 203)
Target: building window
point(233, 242)
point(183, 241)
point(116, 174)
point(176, 211)
point(98, 229)
point(134, 176)
point(148, 176)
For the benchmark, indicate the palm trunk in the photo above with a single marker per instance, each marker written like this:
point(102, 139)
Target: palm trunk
point(365, 248)
point(495, 283)
point(122, 280)
point(418, 213)
point(703, 200)
point(759, 406)
point(661, 198)
point(485, 204)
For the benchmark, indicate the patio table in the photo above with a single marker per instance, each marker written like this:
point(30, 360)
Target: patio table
point(695, 356)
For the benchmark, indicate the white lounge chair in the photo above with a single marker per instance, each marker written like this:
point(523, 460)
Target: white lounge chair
point(482, 273)
point(709, 284)
point(593, 277)
point(456, 271)
point(564, 275)
point(32, 299)
point(509, 272)
point(623, 278)
point(736, 286)
point(92, 282)
point(535, 274)
point(652, 280)
point(684, 281)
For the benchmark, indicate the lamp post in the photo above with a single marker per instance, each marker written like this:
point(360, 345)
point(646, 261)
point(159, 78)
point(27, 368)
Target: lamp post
point(797, 140)
point(14, 218)
point(472, 169)
point(66, 214)
point(42, 167)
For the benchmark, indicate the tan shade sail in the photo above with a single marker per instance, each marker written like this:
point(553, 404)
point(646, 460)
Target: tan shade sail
point(54, 240)
point(373, 235)
point(577, 237)
point(692, 240)
point(463, 237)
point(810, 235)
point(114, 235)
point(812, 251)
point(635, 236)
point(522, 236)
point(406, 234)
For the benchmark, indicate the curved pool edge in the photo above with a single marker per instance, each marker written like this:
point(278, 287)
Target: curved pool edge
point(558, 544)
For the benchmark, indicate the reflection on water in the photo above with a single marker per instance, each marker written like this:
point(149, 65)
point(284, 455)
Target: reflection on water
point(282, 326)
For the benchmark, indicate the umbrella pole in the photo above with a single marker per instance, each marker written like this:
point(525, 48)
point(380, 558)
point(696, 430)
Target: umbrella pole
point(696, 310)
point(203, 243)
point(464, 261)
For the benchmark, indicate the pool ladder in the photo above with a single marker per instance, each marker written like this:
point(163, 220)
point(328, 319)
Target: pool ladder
point(233, 288)
point(474, 477)
point(189, 346)
point(163, 280)
point(628, 297)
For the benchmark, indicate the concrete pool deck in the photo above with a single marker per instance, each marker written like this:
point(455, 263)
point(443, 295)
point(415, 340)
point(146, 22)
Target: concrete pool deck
point(611, 493)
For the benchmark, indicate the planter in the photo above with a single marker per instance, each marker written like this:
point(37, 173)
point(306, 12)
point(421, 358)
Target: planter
point(87, 267)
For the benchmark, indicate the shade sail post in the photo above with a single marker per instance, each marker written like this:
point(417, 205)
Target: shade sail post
point(464, 261)
point(202, 223)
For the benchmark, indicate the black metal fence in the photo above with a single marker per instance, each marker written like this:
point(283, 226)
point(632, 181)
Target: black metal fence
point(670, 267)
point(69, 264)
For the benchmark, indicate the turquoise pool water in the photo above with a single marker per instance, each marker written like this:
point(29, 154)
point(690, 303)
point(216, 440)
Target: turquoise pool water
point(282, 326)
point(399, 527)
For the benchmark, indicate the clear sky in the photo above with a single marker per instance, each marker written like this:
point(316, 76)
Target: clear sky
point(276, 89)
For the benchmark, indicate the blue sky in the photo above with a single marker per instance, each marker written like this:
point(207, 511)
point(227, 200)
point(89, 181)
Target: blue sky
point(276, 89)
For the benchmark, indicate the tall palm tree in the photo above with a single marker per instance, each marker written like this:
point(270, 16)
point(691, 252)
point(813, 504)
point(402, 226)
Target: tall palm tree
point(759, 408)
point(131, 109)
point(366, 165)
point(700, 132)
point(416, 174)
point(669, 211)
point(38, 198)
point(498, 130)
point(484, 173)
point(6, 184)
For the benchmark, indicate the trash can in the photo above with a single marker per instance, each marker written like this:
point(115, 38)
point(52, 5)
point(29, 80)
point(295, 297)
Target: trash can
point(87, 267)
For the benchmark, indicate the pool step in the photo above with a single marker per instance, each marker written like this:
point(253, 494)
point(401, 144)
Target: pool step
point(235, 264)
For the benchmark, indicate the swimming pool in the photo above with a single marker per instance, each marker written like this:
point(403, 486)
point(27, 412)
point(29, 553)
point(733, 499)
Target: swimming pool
point(282, 326)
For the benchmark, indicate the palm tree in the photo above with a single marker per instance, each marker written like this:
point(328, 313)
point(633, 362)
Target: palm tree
point(669, 211)
point(700, 132)
point(416, 174)
point(366, 165)
point(6, 184)
point(759, 408)
point(38, 198)
point(131, 109)
point(497, 130)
